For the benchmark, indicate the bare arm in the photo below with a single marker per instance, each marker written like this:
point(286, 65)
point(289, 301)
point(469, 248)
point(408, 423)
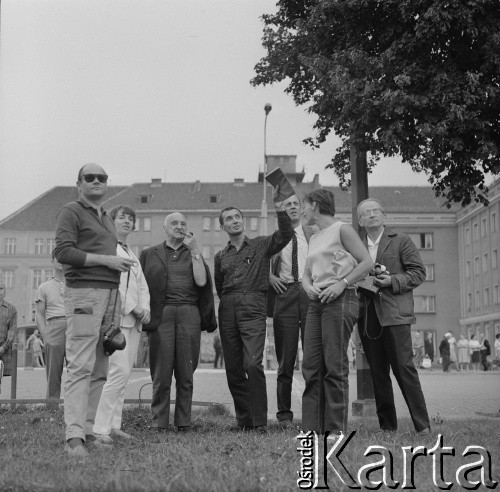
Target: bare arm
point(40, 317)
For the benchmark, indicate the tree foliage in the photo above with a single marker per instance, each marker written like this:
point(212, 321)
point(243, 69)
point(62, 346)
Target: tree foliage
point(415, 78)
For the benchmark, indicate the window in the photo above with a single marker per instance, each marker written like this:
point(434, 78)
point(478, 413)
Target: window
point(467, 269)
point(10, 245)
point(206, 223)
point(146, 224)
point(475, 228)
point(493, 221)
point(467, 235)
point(476, 265)
point(494, 258)
point(486, 296)
point(485, 262)
point(425, 304)
point(48, 274)
point(483, 227)
point(38, 246)
point(469, 302)
point(49, 246)
point(8, 278)
point(137, 224)
point(422, 240)
point(496, 295)
point(217, 224)
point(214, 198)
point(477, 301)
point(145, 198)
point(429, 273)
point(254, 223)
point(205, 251)
point(37, 278)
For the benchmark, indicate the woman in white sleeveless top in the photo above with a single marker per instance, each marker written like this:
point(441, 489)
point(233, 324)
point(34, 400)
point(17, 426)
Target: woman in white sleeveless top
point(336, 260)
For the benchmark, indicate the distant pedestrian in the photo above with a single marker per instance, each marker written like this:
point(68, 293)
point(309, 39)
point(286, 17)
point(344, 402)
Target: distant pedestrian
point(463, 353)
point(497, 346)
point(484, 352)
point(418, 349)
point(218, 352)
point(429, 346)
point(444, 352)
point(38, 352)
point(453, 351)
point(51, 321)
point(475, 352)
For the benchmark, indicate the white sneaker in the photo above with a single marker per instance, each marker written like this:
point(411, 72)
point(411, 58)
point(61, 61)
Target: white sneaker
point(122, 434)
point(103, 438)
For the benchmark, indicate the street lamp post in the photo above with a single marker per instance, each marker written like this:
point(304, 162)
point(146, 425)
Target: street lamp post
point(263, 213)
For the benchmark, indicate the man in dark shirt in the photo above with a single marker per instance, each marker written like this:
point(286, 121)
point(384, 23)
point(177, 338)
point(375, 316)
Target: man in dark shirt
point(86, 247)
point(8, 332)
point(182, 304)
point(242, 280)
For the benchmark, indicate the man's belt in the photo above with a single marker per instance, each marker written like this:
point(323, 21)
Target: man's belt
point(55, 317)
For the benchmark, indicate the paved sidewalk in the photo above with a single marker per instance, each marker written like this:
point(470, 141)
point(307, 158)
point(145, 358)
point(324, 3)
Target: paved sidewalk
point(449, 395)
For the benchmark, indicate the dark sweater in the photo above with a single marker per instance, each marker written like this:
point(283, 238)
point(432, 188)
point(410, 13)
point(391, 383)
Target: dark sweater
point(79, 231)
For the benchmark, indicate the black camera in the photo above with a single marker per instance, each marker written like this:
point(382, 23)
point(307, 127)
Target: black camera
point(114, 340)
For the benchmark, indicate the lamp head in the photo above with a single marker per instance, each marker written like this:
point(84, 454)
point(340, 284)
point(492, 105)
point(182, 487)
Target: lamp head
point(267, 108)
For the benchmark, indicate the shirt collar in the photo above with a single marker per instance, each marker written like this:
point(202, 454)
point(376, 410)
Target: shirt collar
point(87, 204)
point(229, 244)
point(377, 241)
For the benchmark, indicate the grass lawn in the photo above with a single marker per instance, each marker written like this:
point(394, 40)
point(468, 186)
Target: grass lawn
point(211, 457)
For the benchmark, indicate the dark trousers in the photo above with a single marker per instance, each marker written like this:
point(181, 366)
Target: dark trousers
point(54, 337)
point(446, 362)
point(174, 347)
point(242, 326)
point(325, 367)
point(289, 319)
point(390, 347)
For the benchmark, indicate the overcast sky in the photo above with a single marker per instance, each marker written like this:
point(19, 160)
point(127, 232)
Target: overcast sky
point(146, 88)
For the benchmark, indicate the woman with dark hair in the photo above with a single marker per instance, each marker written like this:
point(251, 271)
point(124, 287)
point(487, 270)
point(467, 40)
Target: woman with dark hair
point(336, 260)
point(135, 310)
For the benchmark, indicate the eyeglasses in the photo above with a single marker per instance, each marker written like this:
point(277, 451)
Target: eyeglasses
point(368, 213)
point(90, 178)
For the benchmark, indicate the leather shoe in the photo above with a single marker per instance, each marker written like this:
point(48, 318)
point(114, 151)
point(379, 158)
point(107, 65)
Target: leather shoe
point(92, 440)
point(76, 451)
point(121, 434)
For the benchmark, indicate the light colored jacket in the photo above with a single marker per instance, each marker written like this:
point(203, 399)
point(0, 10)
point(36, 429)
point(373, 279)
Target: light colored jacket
point(133, 291)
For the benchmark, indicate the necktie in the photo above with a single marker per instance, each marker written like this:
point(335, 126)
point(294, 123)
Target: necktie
point(295, 259)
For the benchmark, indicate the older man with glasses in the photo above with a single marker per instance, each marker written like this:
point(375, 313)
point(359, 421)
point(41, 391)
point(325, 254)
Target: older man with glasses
point(385, 322)
point(86, 247)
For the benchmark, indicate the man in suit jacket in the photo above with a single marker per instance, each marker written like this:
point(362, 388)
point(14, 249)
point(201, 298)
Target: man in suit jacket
point(385, 321)
point(182, 304)
point(290, 306)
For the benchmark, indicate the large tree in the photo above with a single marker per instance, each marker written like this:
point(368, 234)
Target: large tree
point(414, 78)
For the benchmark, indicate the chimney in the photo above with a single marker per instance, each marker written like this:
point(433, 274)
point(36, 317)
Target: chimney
point(239, 182)
point(155, 182)
point(197, 186)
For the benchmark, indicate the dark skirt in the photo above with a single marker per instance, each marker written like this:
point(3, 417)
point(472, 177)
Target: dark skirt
point(476, 356)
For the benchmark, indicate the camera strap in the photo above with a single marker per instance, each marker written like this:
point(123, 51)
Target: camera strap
point(365, 321)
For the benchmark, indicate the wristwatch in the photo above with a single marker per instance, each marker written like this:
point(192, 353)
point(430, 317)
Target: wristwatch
point(346, 282)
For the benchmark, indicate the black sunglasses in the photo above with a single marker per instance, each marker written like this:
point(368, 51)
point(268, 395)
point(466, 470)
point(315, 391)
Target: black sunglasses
point(90, 178)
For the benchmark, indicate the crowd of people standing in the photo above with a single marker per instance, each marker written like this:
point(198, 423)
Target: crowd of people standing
point(304, 275)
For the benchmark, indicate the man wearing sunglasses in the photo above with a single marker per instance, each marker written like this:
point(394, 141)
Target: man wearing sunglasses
point(86, 247)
